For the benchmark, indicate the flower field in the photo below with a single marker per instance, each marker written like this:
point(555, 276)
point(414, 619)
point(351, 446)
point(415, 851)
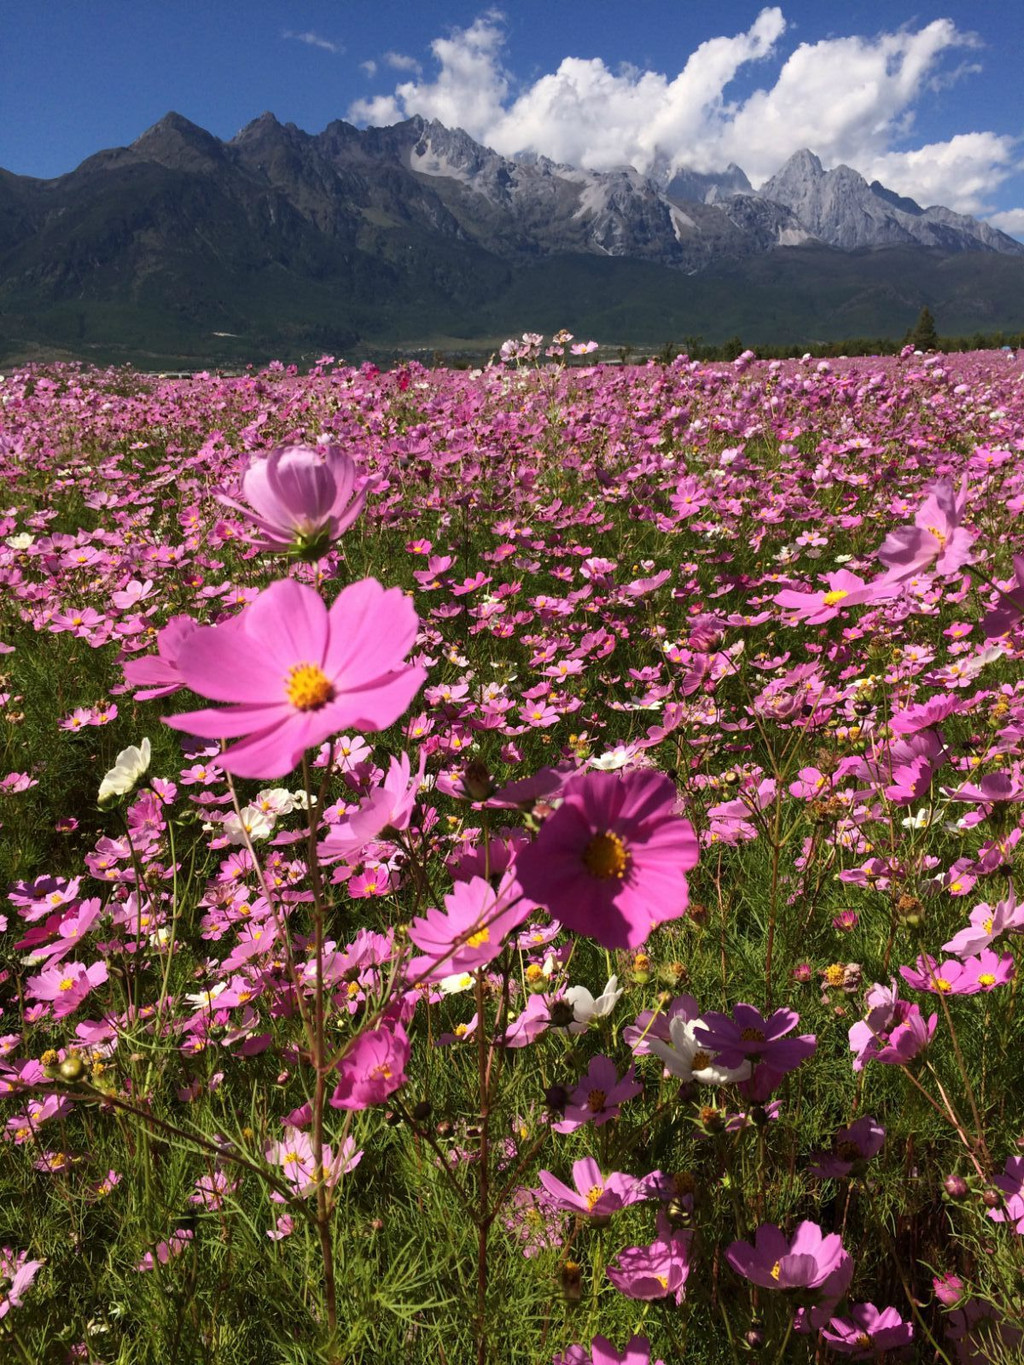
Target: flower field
point(512, 865)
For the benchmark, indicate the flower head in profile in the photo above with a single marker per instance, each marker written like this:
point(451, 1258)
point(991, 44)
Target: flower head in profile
point(301, 498)
point(867, 1332)
point(132, 763)
point(610, 861)
point(654, 1271)
point(298, 672)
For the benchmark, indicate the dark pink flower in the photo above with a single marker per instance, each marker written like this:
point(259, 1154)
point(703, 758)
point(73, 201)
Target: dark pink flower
point(595, 1195)
point(853, 1146)
point(300, 673)
point(867, 1332)
point(747, 1034)
point(372, 1069)
point(602, 1352)
point(773, 1262)
point(598, 1096)
point(610, 862)
point(654, 1271)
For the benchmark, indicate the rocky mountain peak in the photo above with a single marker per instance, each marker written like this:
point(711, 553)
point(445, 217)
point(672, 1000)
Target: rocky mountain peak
point(179, 144)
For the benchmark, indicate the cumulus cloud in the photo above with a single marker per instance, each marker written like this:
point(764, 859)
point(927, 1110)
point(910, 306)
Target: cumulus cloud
point(369, 67)
point(1009, 220)
point(850, 99)
point(398, 61)
point(313, 40)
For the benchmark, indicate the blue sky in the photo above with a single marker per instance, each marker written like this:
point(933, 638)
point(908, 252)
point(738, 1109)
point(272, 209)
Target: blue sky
point(925, 97)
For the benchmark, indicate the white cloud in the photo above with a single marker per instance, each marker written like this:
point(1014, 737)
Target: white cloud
point(314, 40)
point(1010, 220)
point(369, 67)
point(398, 61)
point(961, 174)
point(850, 99)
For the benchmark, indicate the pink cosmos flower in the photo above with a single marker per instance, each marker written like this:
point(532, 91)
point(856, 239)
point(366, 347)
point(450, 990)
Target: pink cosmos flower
point(610, 862)
point(16, 1274)
point(373, 1068)
point(1010, 607)
point(973, 974)
point(1011, 1182)
point(66, 985)
point(896, 1040)
point(936, 541)
point(387, 806)
point(304, 498)
point(602, 1352)
point(598, 1096)
point(987, 923)
point(299, 673)
point(654, 1271)
point(294, 1154)
point(159, 673)
point(845, 589)
point(868, 1332)
point(805, 1262)
point(853, 1146)
point(164, 1251)
point(469, 932)
point(595, 1195)
point(748, 1034)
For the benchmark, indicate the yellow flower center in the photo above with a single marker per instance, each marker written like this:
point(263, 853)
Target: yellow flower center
point(308, 687)
point(986, 979)
point(834, 974)
point(593, 1195)
point(596, 1101)
point(66, 984)
point(290, 1158)
point(863, 1340)
point(831, 598)
point(752, 1035)
point(942, 984)
point(606, 856)
point(776, 1270)
point(934, 530)
point(480, 937)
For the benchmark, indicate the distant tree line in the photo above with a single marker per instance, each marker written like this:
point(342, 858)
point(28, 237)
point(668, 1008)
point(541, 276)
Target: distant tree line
point(923, 336)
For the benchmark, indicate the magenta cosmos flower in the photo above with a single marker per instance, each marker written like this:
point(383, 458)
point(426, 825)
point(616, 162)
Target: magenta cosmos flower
point(746, 1034)
point(867, 1332)
point(595, 1195)
point(774, 1262)
point(610, 862)
point(373, 1068)
point(303, 498)
point(602, 1352)
point(654, 1271)
point(299, 673)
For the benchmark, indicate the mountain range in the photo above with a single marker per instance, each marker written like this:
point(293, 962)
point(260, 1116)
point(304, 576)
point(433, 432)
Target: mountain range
point(184, 248)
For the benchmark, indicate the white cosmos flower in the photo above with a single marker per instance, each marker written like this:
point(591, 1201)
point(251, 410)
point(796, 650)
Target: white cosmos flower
point(130, 766)
point(251, 821)
point(688, 1060)
point(453, 985)
point(615, 758)
point(585, 1008)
